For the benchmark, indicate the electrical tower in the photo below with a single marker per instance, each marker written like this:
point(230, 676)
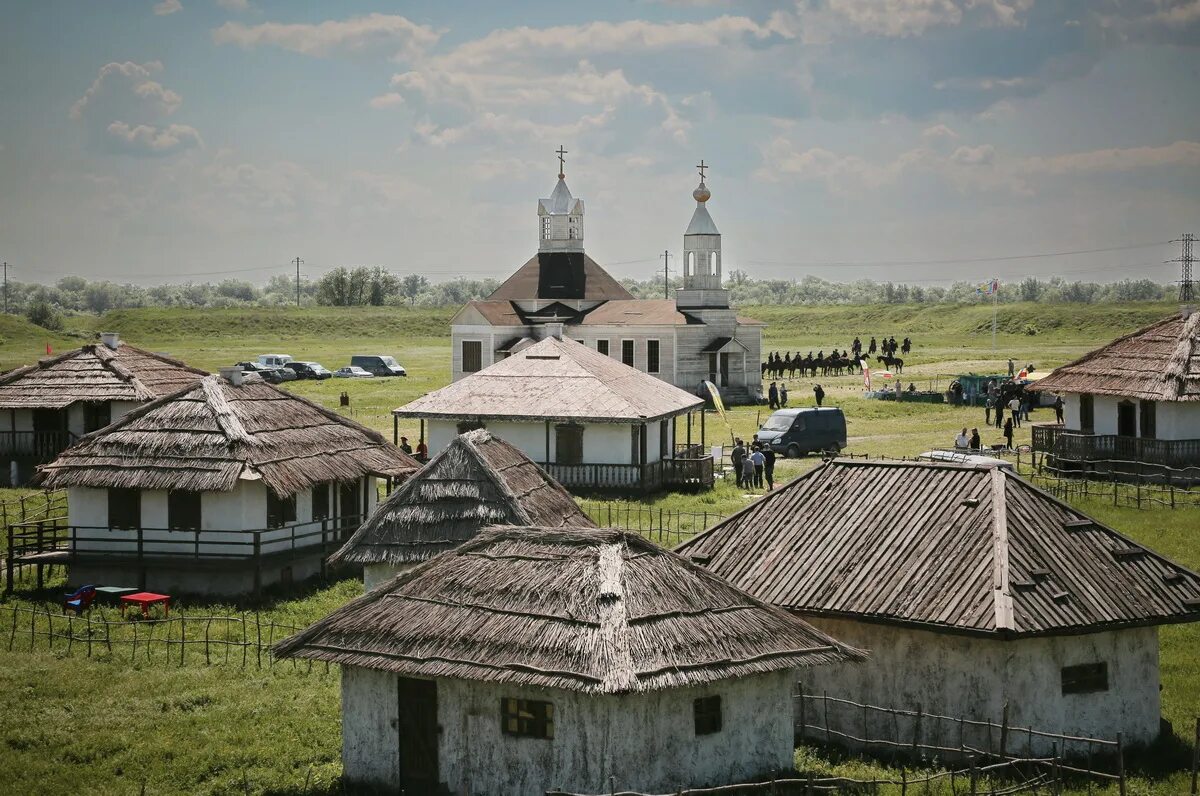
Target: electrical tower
point(1187, 288)
point(297, 261)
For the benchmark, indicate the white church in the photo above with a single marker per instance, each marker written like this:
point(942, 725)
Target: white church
point(695, 337)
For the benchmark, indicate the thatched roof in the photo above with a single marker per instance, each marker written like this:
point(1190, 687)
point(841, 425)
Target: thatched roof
point(1160, 362)
point(95, 373)
point(598, 611)
point(557, 380)
point(944, 547)
point(477, 481)
point(208, 436)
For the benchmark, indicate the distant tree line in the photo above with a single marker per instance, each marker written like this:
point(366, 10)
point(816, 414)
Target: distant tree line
point(377, 286)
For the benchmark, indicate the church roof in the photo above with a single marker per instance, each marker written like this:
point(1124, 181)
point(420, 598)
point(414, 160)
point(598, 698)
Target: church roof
point(702, 223)
point(560, 275)
point(561, 202)
point(943, 547)
point(637, 312)
point(556, 380)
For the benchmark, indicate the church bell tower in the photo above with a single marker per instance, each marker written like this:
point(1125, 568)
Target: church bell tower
point(701, 257)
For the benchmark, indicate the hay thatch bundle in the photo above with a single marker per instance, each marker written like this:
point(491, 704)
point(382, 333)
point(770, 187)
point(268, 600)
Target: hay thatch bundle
point(556, 380)
point(1160, 362)
point(206, 437)
point(598, 611)
point(477, 481)
point(95, 373)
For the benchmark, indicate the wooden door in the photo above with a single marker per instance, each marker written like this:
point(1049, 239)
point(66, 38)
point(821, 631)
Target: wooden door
point(1126, 419)
point(348, 506)
point(724, 370)
point(418, 726)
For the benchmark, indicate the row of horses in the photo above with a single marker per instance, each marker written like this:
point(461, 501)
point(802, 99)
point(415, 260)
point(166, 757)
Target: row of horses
point(835, 364)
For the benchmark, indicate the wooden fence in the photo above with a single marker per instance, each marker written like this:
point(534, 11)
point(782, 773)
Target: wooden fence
point(243, 640)
point(1125, 483)
point(665, 526)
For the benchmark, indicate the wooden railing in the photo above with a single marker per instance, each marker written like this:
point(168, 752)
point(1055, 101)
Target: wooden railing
point(1077, 445)
point(692, 472)
point(41, 446)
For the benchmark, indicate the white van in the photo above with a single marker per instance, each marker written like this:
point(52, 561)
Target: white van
point(274, 360)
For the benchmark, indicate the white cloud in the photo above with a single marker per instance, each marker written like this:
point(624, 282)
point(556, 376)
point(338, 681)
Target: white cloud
point(897, 18)
point(167, 7)
point(1180, 154)
point(129, 76)
point(144, 139)
point(981, 155)
point(355, 34)
point(234, 5)
point(389, 100)
point(938, 132)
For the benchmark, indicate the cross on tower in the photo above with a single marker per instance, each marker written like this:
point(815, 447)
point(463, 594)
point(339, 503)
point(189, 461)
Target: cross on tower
point(702, 167)
point(561, 160)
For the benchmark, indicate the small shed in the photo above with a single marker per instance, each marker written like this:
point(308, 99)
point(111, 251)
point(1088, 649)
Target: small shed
point(1134, 399)
point(537, 658)
point(223, 487)
point(970, 587)
point(589, 420)
point(47, 406)
point(477, 481)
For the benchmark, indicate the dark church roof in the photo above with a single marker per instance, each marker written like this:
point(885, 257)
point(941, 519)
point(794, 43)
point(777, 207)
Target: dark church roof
point(560, 275)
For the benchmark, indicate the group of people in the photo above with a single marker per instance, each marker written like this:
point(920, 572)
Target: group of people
point(422, 452)
point(754, 466)
point(777, 395)
point(887, 347)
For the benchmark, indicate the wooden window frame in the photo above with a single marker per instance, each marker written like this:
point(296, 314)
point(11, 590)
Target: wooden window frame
point(463, 354)
point(184, 510)
point(632, 352)
point(568, 429)
point(653, 362)
point(126, 506)
point(280, 510)
point(1085, 678)
point(602, 346)
point(527, 718)
point(706, 715)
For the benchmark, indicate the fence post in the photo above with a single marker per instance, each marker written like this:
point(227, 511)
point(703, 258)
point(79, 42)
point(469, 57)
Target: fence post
point(826, 702)
point(8, 560)
point(1121, 764)
point(1004, 731)
point(1195, 753)
point(973, 791)
point(182, 637)
point(916, 730)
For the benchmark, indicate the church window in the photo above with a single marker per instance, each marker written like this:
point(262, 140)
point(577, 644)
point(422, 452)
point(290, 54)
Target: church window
point(545, 227)
point(627, 352)
point(712, 263)
point(472, 356)
point(690, 268)
point(602, 347)
point(652, 356)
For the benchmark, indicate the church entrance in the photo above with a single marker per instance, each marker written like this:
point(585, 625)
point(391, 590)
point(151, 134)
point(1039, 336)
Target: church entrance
point(718, 369)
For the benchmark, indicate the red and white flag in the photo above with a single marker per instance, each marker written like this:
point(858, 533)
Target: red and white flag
point(866, 370)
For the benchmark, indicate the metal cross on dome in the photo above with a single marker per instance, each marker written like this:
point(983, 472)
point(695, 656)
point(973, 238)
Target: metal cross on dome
point(561, 160)
point(702, 167)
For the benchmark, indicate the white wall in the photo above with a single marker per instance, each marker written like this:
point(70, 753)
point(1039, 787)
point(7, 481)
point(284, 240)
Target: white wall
point(647, 741)
point(958, 675)
point(603, 443)
point(1173, 419)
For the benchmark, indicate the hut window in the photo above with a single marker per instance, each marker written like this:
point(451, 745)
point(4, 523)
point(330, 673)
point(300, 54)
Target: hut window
point(527, 718)
point(472, 356)
point(280, 511)
point(602, 347)
point(320, 502)
point(568, 444)
point(627, 352)
point(652, 356)
point(183, 510)
point(707, 713)
point(96, 416)
point(1085, 678)
point(1149, 419)
point(1087, 414)
point(124, 508)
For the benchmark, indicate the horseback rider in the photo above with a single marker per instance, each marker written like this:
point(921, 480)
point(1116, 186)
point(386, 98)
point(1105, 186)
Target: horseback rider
point(872, 347)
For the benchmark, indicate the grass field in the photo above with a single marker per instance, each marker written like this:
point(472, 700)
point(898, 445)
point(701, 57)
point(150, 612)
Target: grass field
point(113, 726)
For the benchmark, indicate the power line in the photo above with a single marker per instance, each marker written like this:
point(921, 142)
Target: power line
point(6, 287)
point(954, 261)
point(666, 256)
point(298, 261)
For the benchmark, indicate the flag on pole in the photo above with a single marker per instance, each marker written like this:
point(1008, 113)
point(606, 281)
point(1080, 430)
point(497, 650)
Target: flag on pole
point(989, 288)
point(49, 350)
point(717, 402)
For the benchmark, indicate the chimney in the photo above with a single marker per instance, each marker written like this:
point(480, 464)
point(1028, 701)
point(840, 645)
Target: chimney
point(233, 375)
point(554, 330)
point(110, 339)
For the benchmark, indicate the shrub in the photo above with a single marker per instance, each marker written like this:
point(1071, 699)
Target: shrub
point(42, 314)
point(1030, 329)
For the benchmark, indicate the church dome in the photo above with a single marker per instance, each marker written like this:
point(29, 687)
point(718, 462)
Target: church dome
point(701, 194)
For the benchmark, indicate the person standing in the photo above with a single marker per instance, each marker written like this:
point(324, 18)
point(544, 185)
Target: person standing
point(773, 396)
point(783, 395)
point(960, 442)
point(999, 414)
point(819, 394)
point(404, 446)
point(735, 457)
point(1058, 409)
point(748, 472)
point(1014, 407)
point(975, 442)
point(769, 465)
point(1008, 432)
point(1012, 368)
point(987, 411)
point(760, 464)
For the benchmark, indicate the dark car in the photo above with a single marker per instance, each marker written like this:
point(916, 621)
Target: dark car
point(309, 370)
point(795, 432)
point(378, 364)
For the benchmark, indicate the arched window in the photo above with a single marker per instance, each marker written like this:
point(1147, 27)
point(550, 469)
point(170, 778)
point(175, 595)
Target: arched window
point(690, 268)
point(712, 263)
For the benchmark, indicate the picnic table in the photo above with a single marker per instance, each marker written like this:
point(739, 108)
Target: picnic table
point(146, 599)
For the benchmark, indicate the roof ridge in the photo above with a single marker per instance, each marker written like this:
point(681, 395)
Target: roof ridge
point(227, 420)
point(614, 616)
point(1001, 588)
point(492, 475)
point(1176, 371)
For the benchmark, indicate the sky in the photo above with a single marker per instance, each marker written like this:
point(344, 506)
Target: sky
point(928, 141)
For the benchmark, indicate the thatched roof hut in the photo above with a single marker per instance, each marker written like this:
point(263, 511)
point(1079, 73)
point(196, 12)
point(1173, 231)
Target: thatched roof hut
point(95, 373)
point(211, 434)
point(1160, 362)
point(590, 610)
point(477, 481)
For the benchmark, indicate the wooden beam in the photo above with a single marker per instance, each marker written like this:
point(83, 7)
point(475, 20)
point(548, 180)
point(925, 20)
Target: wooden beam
point(1001, 589)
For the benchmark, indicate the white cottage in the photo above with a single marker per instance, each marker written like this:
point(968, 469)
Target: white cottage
point(223, 487)
point(532, 658)
point(1135, 399)
point(46, 407)
point(477, 481)
point(970, 588)
point(590, 421)
point(695, 336)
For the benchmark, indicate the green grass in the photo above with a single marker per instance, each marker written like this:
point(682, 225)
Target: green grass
point(111, 726)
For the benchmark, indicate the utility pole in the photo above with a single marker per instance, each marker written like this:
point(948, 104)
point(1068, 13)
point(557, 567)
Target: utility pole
point(6, 287)
point(666, 255)
point(297, 261)
point(1187, 292)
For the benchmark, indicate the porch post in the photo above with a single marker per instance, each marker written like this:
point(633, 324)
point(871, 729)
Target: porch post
point(422, 430)
point(689, 428)
point(674, 433)
point(546, 461)
point(702, 444)
point(395, 429)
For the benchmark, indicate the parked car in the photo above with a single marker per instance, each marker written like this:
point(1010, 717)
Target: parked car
point(378, 364)
point(309, 370)
point(274, 360)
point(795, 432)
point(352, 372)
point(268, 374)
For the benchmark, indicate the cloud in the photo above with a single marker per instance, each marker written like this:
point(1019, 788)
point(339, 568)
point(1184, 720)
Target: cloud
point(389, 100)
point(1180, 154)
point(234, 5)
point(167, 7)
point(356, 34)
point(900, 18)
point(938, 132)
point(114, 80)
point(981, 155)
point(144, 139)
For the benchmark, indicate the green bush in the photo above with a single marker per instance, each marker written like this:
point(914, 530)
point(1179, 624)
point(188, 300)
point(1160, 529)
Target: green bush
point(42, 314)
point(1030, 329)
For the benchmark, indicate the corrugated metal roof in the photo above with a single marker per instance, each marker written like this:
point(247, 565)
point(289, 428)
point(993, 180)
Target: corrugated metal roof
point(701, 223)
point(944, 546)
point(556, 380)
point(1160, 362)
